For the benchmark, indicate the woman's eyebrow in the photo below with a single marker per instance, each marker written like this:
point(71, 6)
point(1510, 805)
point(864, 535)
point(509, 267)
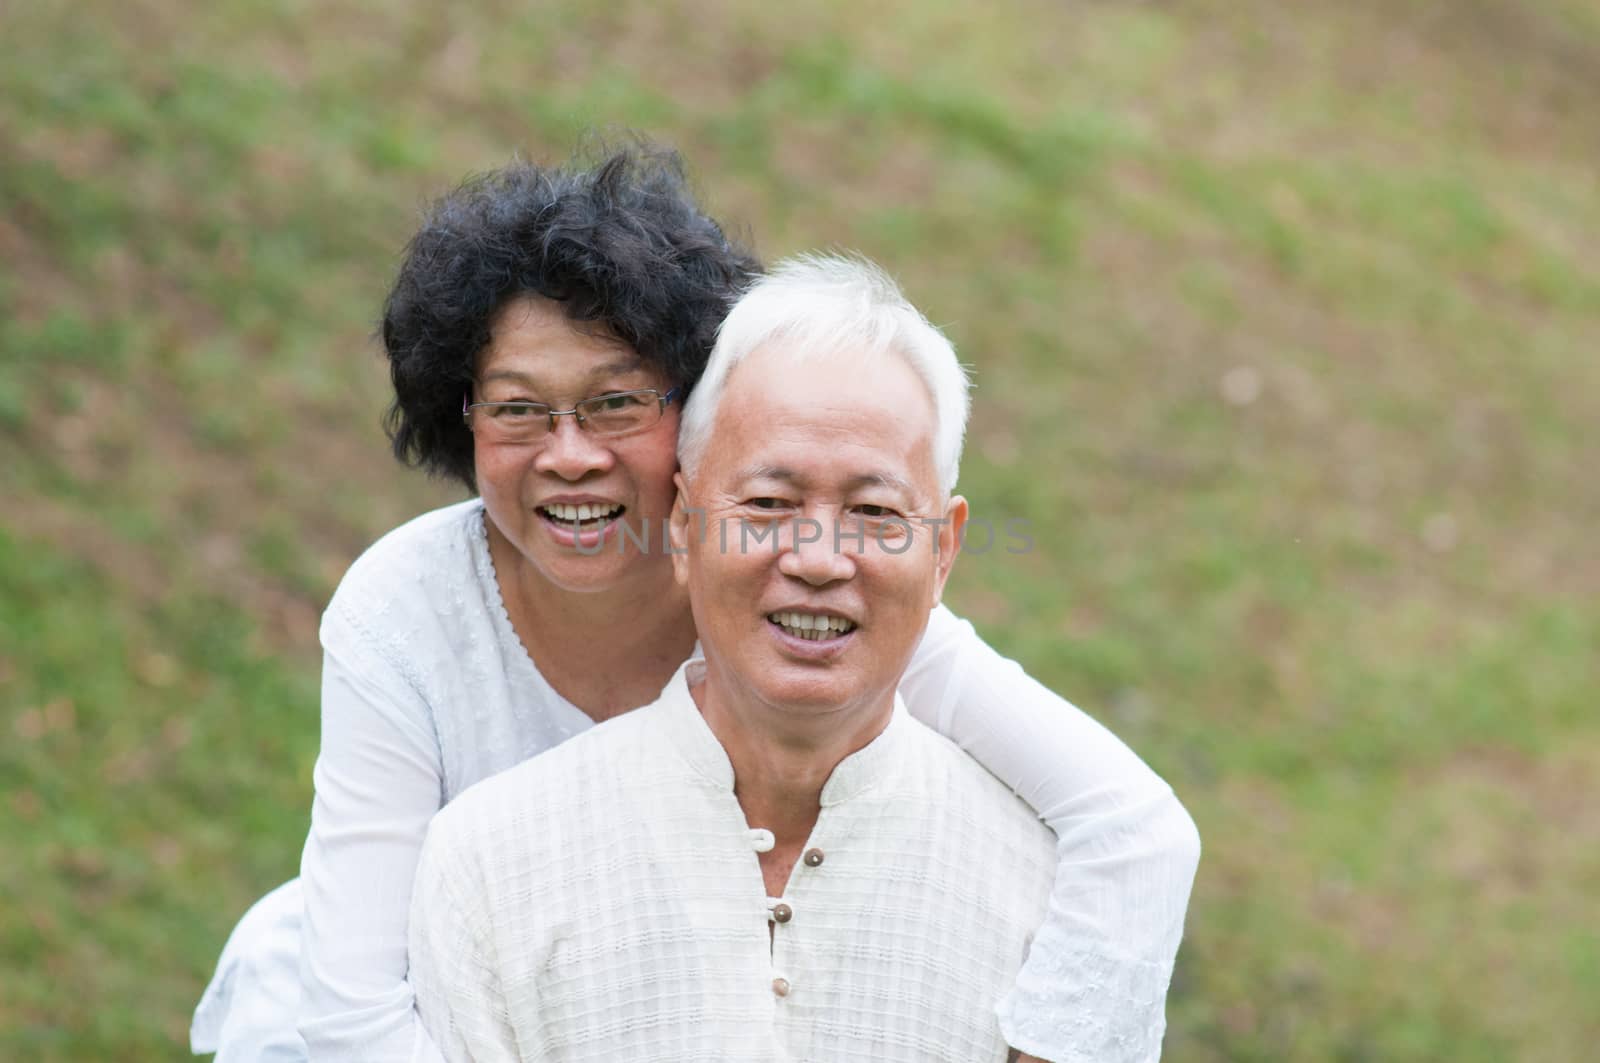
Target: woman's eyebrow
point(618, 368)
point(630, 365)
point(506, 374)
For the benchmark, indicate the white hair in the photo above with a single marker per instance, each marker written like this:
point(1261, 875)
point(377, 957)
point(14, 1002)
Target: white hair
point(814, 305)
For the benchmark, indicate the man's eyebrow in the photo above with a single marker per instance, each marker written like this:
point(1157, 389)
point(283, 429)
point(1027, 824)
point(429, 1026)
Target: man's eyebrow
point(768, 472)
point(783, 474)
point(882, 479)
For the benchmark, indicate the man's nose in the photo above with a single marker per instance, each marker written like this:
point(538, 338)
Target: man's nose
point(812, 554)
point(572, 453)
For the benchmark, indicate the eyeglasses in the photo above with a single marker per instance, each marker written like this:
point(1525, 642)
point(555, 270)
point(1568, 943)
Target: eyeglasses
point(616, 413)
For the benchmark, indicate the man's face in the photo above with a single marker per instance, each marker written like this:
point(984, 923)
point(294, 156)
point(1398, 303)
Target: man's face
point(840, 452)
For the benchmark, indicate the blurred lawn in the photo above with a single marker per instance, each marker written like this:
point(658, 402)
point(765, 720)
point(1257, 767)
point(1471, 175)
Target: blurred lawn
point(1285, 325)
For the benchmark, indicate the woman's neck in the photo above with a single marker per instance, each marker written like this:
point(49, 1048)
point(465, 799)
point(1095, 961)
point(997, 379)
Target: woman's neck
point(606, 651)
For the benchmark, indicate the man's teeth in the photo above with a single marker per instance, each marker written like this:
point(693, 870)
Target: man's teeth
point(562, 511)
point(812, 626)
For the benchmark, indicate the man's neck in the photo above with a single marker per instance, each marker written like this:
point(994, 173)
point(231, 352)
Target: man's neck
point(781, 762)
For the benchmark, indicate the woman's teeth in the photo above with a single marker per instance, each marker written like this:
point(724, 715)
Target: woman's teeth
point(575, 514)
point(812, 626)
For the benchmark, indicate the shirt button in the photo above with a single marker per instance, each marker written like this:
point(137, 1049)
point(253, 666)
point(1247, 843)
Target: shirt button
point(780, 987)
point(762, 840)
point(813, 858)
point(782, 913)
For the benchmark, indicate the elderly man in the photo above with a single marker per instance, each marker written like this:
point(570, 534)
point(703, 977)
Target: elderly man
point(773, 860)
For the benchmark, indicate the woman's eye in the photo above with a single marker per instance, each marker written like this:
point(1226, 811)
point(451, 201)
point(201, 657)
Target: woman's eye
point(512, 413)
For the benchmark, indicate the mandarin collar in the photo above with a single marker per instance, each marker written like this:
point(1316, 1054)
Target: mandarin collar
point(696, 743)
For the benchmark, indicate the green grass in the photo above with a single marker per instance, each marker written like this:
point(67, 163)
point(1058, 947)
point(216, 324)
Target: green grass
point(1284, 327)
point(153, 756)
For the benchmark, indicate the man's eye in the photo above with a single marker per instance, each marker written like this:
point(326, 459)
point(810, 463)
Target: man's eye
point(766, 503)
point(875, 511)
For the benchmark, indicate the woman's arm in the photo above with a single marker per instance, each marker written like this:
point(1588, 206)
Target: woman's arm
point(1095, 982)
point(378, 783)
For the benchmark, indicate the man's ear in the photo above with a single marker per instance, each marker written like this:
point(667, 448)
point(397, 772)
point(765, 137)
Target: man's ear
point(678, 532)
point(949, 542)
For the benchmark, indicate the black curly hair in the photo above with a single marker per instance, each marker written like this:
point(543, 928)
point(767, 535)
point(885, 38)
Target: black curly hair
point(621, 244)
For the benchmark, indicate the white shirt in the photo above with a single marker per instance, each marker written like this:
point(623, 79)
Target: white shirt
point(604, 901)
point(427, 690)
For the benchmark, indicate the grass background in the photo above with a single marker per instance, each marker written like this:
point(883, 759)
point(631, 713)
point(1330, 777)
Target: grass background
point(1285, 322)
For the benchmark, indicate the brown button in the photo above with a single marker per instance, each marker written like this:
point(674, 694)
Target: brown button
point(780, 987)
point(782, 913)
point(813, 858)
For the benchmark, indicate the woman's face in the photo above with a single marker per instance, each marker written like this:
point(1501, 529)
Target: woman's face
point(530, 490)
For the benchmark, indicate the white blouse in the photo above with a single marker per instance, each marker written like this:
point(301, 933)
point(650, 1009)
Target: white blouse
point(604, 901)
point(427, 690)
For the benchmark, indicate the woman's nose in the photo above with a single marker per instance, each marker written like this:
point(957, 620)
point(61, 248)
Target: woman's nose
point(571, 452)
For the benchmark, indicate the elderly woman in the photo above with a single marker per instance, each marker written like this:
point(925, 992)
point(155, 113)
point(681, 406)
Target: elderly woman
point(543, 332)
